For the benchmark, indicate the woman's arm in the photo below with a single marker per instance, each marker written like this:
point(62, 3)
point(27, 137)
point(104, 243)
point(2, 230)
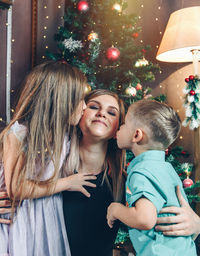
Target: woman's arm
point(187, 222)
point(13, 164)
point(4, 203)
point(142, 216)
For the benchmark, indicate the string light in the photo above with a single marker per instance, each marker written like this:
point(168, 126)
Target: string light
point(47, 17)
point(45, 27)
point(59, 6)
point(44, 36)
point(181, 137)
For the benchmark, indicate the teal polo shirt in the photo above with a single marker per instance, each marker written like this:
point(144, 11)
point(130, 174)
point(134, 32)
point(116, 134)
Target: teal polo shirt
point(150, 176)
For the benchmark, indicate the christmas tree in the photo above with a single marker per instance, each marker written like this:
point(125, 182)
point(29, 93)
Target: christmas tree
point(100, 38)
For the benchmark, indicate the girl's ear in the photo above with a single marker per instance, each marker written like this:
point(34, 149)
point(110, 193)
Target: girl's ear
point(137, 136)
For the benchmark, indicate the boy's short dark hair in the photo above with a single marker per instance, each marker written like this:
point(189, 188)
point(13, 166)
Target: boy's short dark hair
point(160, 119)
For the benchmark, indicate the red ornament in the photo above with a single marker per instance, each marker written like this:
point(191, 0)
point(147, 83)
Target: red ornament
point(187, 80)
point(187, 183)
point(83, 6)
point(135, 35)
point(113, 53)
point(167, 152)
point(138, 87)
point(191, 77)
point(192, 92)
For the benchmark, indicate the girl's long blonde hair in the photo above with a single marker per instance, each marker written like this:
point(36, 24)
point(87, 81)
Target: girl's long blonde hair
point(50, 95)
point(115, 157)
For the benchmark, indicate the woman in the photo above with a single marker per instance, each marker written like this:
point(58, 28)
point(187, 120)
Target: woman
point(85, 218)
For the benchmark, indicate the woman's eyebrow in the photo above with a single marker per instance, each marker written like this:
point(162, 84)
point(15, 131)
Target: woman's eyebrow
point(96, 101)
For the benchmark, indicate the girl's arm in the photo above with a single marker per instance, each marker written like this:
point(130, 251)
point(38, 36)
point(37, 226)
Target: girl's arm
point(142, 216)
point(186, 221)
point(13, 164)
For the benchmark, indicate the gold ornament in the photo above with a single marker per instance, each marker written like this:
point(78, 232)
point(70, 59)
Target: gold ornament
point(131, 91)
point(141, 62)
point(119, 87)
point(87, 88)
point(92, 36)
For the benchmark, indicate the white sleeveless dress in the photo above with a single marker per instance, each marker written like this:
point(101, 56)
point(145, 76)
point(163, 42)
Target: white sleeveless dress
point(39, 227)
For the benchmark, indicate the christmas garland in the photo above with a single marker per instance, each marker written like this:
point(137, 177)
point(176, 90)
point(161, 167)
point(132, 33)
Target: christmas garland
point(192, 102)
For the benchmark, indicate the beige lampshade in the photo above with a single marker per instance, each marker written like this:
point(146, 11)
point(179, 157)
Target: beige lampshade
point(181, 35)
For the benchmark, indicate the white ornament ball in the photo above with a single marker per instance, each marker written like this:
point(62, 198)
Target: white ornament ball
point(131, 91)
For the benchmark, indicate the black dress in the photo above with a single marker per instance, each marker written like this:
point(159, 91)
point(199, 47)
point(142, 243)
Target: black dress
point(86, 223)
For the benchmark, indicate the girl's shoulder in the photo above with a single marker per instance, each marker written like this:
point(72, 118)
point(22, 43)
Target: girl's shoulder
point(19, 130)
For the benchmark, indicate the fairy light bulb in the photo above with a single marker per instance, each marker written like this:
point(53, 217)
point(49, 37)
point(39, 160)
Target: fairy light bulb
point(117, 7)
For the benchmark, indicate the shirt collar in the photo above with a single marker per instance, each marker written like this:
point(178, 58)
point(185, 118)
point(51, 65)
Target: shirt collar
point(149, 155)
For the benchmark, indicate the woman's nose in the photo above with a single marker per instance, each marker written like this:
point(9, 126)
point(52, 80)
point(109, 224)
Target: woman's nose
point(101, 113)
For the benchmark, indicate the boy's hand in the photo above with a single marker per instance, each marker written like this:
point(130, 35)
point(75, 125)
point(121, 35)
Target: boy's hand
point(111, 217)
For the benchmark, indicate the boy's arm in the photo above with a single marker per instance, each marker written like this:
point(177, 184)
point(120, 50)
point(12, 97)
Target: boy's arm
point(142, 216)
point(13, 164)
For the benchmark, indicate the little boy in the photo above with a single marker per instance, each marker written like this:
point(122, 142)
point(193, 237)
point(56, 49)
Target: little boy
point(150, 127)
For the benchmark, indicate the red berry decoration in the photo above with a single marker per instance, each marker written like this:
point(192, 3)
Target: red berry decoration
point(187, 80)
point(191, 77)
point(135, 35)
point(192, 92)
point(112, 53)
point(187, 183)
point(83, 6)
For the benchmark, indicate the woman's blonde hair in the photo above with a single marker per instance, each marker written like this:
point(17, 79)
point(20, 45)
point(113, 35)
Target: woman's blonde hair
point(115, 157)
point(50, 95)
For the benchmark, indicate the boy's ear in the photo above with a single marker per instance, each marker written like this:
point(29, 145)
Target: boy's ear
point(137, 136)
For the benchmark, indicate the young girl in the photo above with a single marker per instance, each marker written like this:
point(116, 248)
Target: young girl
point(85, 218)
point(34, 147)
